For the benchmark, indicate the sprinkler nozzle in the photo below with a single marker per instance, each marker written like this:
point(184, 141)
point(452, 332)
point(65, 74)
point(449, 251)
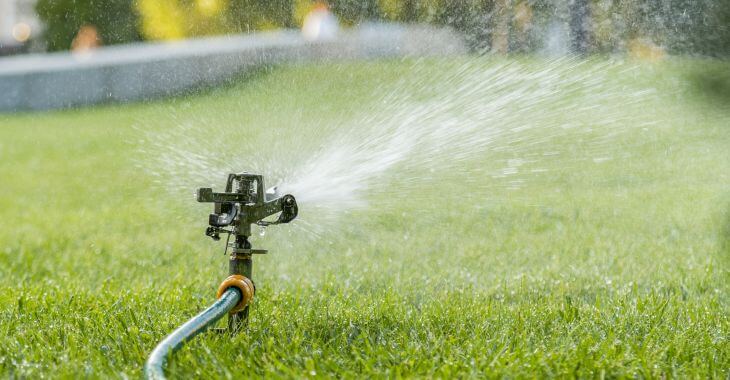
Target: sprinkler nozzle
point(244, 203)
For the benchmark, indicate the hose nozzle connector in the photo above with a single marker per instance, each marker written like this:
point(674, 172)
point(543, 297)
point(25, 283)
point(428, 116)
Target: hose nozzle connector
point(244, 285)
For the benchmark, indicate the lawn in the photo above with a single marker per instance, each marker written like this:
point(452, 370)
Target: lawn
point(607, 260)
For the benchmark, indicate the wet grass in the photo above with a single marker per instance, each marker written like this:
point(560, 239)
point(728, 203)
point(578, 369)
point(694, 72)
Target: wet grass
point(611, 269)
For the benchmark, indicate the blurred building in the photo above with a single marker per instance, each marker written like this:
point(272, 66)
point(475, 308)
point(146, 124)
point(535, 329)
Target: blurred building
point(18, 25)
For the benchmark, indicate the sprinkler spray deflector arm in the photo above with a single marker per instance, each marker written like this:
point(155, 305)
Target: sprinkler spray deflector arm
point(244, 203)
point(253, 212)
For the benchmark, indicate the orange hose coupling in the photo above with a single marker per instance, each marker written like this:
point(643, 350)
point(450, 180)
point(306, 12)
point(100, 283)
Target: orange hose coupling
point(244, 285)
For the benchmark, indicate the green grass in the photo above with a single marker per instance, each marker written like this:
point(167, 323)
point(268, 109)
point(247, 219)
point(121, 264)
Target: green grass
point(611, 270)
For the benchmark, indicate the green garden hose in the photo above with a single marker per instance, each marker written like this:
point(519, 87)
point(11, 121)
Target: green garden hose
point(226, 302)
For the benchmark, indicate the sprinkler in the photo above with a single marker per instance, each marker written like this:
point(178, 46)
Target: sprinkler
point(238, 210)
point(242, 204)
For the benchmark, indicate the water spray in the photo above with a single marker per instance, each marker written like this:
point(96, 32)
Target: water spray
point(242, 204)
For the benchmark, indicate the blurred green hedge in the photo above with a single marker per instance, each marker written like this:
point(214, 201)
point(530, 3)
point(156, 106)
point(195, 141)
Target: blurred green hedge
point(677, 26)
point(115, 20)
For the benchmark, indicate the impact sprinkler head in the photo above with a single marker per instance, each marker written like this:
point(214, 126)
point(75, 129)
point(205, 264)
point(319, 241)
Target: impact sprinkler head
point(244, 203)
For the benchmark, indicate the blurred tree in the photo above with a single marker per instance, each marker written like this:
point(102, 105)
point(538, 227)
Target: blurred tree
point(161, 19)
point(250, 15)
point(604, 30)
point(580, 26)
point(115, 21)
point(598, 26)
point(500, 34)
point(175, 19)
point(696, 26)
point(352, 12)
point(677, 26)
point(474, 18)
point(523, 22)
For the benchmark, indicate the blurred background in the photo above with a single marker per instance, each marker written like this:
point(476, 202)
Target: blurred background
point(645, 28)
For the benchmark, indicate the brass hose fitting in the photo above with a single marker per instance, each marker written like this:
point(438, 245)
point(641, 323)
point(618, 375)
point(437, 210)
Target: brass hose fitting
point(244, 285)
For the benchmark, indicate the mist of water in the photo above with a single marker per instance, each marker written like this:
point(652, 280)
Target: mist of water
point(514, 114)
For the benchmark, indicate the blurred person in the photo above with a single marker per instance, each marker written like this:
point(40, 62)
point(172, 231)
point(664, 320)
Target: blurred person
point(86, 39)
point(320, 24)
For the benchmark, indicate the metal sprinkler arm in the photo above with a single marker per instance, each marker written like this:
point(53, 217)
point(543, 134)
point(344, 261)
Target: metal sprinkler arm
point(248, 205)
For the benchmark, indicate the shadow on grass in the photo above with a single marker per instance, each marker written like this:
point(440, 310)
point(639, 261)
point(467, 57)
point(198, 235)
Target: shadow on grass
point(712, 83)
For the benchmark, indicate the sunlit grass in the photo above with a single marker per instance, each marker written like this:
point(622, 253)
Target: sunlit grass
point(616, 269)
